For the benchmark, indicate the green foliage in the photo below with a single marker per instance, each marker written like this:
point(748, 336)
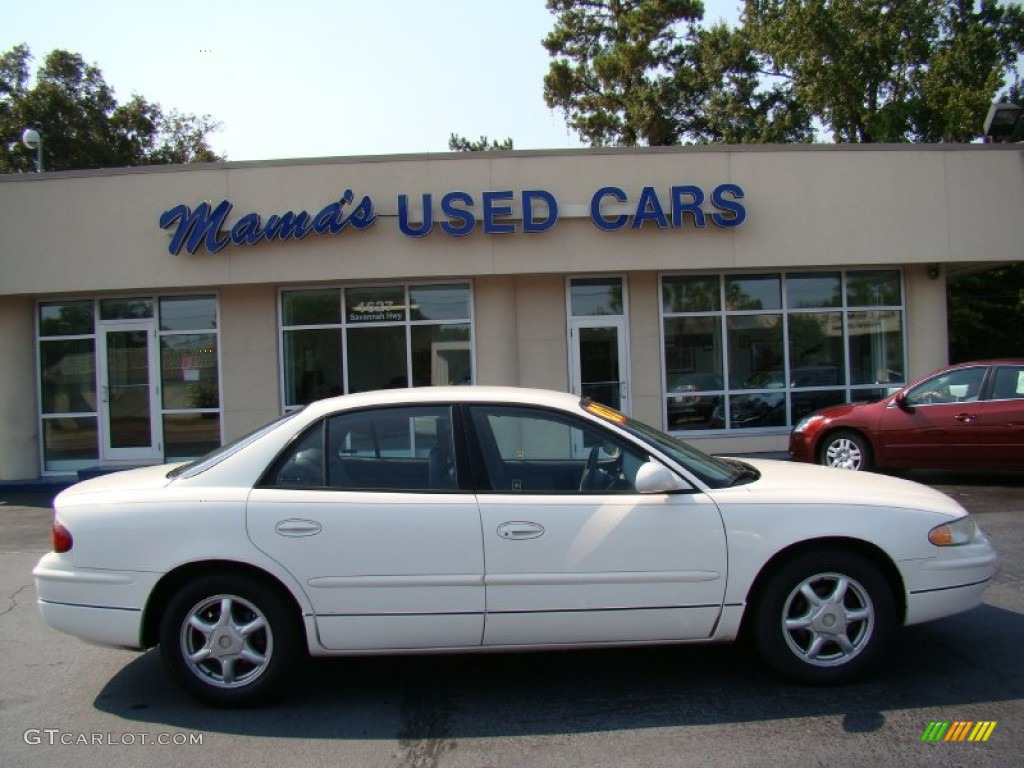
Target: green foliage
point(632, 72)
point(888, 71)
point(457, 143)
point(986, 313)
point(83, 125)
point(609, 75)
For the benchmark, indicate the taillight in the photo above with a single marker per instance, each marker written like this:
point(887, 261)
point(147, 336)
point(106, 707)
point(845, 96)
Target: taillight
point(60, 537)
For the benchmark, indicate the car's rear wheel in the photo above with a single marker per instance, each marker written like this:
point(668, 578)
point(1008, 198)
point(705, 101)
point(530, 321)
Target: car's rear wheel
point(229, 640)
point(825, 617)
point(845, 450)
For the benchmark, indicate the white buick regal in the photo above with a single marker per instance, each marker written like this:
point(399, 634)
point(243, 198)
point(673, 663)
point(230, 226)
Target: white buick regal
point(489, 519)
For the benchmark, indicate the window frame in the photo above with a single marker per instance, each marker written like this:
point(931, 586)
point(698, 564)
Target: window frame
point(720, 314)
point(344, 325)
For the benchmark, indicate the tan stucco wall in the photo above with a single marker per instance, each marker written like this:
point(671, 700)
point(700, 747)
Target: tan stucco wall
point(249, 358)
point(806, 206)
point(19, 429)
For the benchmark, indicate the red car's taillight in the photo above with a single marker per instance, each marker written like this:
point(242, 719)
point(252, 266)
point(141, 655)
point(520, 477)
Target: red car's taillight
point(61, 537)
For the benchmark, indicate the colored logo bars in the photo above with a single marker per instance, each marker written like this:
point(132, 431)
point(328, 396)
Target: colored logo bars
point(959, 730)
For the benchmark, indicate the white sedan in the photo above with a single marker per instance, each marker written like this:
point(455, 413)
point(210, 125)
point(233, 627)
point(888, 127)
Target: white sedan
point(490, 519)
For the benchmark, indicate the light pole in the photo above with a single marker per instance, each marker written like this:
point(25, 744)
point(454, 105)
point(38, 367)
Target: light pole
point(33, 139)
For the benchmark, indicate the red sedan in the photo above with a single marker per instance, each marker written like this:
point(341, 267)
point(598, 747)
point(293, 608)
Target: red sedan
point(967, 416)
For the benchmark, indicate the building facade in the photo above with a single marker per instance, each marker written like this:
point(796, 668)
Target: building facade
point(149, 314)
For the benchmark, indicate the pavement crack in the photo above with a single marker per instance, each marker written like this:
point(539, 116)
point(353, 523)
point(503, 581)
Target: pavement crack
point(13, 598)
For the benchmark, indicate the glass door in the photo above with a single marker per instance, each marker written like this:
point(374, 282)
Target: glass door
point(129, 392)
point(598, 350)
point(598, 353)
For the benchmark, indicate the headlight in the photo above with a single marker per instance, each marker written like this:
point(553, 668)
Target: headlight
point(807, 421)
point(960, 531)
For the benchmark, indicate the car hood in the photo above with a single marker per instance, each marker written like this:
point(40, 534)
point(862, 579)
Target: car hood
point(796, 482)
point(140, 479)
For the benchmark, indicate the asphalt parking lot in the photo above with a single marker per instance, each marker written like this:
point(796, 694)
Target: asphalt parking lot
point(68, 703)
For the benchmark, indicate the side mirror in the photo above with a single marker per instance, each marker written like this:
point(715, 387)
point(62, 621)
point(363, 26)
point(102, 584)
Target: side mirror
point(900, 401)
point(653, 477)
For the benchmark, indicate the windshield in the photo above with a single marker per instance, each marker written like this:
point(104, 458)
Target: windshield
point(214, 457)
point(716, 473)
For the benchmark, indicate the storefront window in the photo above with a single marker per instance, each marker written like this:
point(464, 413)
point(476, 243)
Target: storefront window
point(441, 355)
point(377, 358)
point(93, 386)
point(743, 368)
point(67, 318)
point(188, 313)
point(596, 296)
point(188, 363)
point(312, 364)
point(360, 338)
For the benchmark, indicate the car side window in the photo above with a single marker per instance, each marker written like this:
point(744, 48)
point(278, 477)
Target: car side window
point(392, 449)
point(302, 463)
point(1008, 383)
point(527, 450)
point(960, 386)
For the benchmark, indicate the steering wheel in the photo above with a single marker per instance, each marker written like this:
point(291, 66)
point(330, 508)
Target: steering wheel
point(591, 470)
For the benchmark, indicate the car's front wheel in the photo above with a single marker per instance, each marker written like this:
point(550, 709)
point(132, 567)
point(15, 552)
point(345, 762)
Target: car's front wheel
point(825, 617)
point(229, 640)
point(845, 450)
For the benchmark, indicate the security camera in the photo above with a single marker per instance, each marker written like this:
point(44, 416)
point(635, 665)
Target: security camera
point(31, 138)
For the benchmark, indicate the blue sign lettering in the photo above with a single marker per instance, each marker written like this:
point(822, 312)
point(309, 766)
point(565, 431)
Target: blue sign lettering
point(204, 226)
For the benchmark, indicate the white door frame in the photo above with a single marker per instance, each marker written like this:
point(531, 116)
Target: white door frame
point(620, 322)
point(154, 451)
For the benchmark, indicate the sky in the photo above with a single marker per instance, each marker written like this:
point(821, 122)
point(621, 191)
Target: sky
point(310, 78)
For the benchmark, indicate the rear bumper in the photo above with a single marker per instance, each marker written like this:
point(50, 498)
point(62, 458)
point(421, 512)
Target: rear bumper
point(99, 606)
point(118, 627)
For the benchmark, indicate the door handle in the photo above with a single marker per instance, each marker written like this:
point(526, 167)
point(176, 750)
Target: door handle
point(296, 527)
point(965, 417)
point(520, 530)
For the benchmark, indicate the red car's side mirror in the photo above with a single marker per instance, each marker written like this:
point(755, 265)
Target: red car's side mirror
point(900, 400)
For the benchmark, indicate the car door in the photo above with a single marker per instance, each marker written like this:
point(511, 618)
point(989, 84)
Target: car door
point(365, 509)
point(573, 553)
point(1001, 418)
point(938, 423)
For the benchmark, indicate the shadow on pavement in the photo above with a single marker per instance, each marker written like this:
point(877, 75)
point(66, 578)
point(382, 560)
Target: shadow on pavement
point(945, 664)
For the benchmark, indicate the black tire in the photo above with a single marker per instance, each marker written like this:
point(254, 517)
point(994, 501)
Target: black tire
point(837, 637)
point(845, 450)
point(230, 640)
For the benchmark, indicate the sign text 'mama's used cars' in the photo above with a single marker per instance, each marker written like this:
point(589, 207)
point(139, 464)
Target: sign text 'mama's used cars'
point(966, 416)
point(486, 518)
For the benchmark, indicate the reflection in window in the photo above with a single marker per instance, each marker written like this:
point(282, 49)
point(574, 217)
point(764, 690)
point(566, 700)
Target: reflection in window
point(188, 364)
point(378, 358)
point(531, 451)
point(441, 355)
point(68, 376)
point(312, 365)
point(390, 336)
point(188, 313)
point(753, 292)
point(187, 435)
point(596, 296)
point(316, 307)
point(68, 442)
point(743, 368)
point(67, 318)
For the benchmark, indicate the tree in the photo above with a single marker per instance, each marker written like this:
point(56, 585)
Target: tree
point(892, 71)
point(457, 143)
point(609, 75)
point(83, 125)
point(717, 93)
